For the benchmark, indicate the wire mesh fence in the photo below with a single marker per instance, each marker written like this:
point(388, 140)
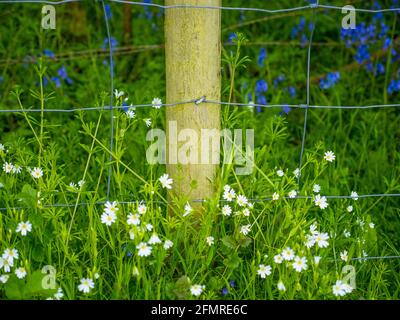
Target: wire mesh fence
point(306, 106)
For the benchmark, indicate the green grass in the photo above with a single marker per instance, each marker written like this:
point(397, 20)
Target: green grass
point(70, 147)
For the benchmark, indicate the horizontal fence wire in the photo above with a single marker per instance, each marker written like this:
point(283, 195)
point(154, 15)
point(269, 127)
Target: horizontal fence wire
point(225, 8)
point(199, 101)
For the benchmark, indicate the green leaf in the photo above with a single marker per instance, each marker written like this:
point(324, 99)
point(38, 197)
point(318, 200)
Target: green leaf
point(35, 288)
point(14, 288)
point(182, 287)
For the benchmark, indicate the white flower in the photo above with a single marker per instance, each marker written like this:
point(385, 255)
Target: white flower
point(241, 200)
point(111, 207)
point(227, 187)
point(354, 195)
point(338, 289)
point(133, 219)
point(317, 188)
point(149, 227)
point(245, 229)
point(313, 228)
point(17, 169)
point(108, 218)
point(142, 209)
point(346, 233)
point(20, 273)
point(59, 294)
point(132, 234)
point(246, 212)
point(293, 194)
point(310, 240)
point(321, 202)
point(210, 241)
point(37, 173)
point(168, 244)
point(229, 195)
point(371, 225)
point(6, 264)
point(287, 254)
point(317, 259)
point(280, 173)
point(278, 259)
point(81, 184)
point(166, 181)
point(297, 173)
point(300, 264)
point(321, 240)
point(154, 239)
point(344, 256)
point(187, 210)
point(197, 289)
point(8, 167)
point(24, 228)
point(2, 147)
point(264, 271)
point(275, 196)
point(329, 156)
point(118, 94)
point(86, 285)
point(4, 278)
point(143, 249)
point(148, 122)
point(157, 103)
point(350, 209)
point(73, 185)
point(281, 286)
point(130, 114)
point(96, 276)
point(9, 255)
point(226, 210)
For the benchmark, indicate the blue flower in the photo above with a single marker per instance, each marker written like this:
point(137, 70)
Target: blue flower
point(292, 91)
point(261, 86)
point(331, 79)
point(232, 36)
point(224, 291)
point(232, 283)
point(147, 10)
point(286, 109)
point(49, 53)
point(56, 81)
point(113, 41)
point(387, 43)
point(108, 11)
point(278, 80)
point(394, 86)
point(62, 72)
point(262, 56)
point(362, 54)
point(262, 100)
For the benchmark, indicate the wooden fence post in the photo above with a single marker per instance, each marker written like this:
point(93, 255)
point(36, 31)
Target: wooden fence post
point(193, 67)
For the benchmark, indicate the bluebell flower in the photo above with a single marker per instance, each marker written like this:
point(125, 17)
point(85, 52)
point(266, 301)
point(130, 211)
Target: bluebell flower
point(128, 253)
point(379, 68)
point(394, 86)
point(114, 43)
point(232, 283)
point(262, 100)
point(286, 109)
point(304, 40)
point(292, 91)
point(331, 79)
point(262, 56)
point(224, 291)
point(231, 37)
point(56, 81)
point(108, 11)
point(278, 80)
point(362, 54)
point(250, 97)
point(49, 53)
point(261, 86)
point(147, 10)
point(62, 72)
point(387, 43)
